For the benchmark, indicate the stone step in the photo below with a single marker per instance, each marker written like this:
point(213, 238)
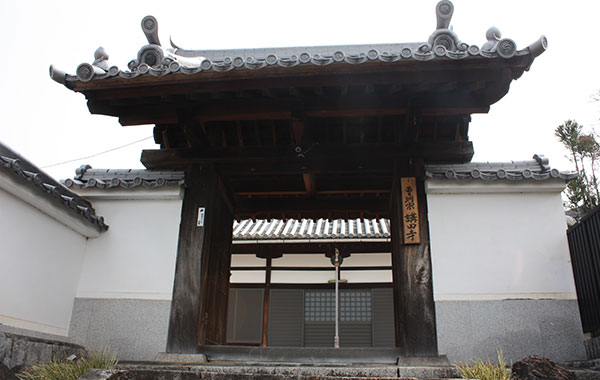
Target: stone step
point(142, 371)
point(176, 374)
point(183, 375)
point(312, 355)
point(585, 364)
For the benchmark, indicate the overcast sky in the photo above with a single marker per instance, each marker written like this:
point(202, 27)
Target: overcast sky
point(48, 124)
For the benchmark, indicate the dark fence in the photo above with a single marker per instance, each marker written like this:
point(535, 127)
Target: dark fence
point(584, 244)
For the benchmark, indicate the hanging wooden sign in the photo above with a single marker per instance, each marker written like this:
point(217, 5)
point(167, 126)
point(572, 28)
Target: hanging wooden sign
point(410, 210)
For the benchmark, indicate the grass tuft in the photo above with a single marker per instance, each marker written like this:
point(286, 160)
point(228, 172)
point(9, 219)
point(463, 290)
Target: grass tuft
point(70, 370)
point(485, 370)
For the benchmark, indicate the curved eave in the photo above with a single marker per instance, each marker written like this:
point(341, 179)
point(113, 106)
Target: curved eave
point(164, 76)
point(471, 84)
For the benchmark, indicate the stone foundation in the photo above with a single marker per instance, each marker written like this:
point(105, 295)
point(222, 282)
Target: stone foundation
point(21, 350)
point(592, 348)
point(132, 329)
point(473, 329)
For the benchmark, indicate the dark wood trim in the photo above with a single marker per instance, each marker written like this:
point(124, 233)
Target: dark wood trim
point(354, 285)
point(244, 344)
point(238, 110)
point(309, 269)
point(322, 158)
point(292, 205)
point(276, 249)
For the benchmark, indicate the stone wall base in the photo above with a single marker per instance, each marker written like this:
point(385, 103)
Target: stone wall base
point(592, 348)
point(550, 328)
point(20, 350)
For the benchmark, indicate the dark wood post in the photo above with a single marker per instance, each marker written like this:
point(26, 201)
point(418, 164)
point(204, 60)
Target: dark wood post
point(200, 289)
point(397, 263)
point(266, 302)
point(411, 268)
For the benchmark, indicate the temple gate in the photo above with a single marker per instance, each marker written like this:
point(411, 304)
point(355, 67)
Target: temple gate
point(307, 132)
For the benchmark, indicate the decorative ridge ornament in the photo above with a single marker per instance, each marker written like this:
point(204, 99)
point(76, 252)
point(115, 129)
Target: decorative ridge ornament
point(150, 28)
point(156, 60)
point(444, 11)
point(444, 39)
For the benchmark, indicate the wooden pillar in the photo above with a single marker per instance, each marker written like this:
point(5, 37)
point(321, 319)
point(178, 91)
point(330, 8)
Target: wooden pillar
point(266, 302)
point(397, 263)
point(411, 269)
point(201, 285)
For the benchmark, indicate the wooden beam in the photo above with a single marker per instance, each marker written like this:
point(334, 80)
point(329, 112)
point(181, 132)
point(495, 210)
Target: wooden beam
point(276, 193)
point(195, 136)
point(309, 184)
point(281, 108)
point(240, 136)
point(275, 250)
point(165, 139)
point(294, 204)
point(321, 158)
point(354, 192)
point(273, 132)
point(193, 133)
point(297, 131)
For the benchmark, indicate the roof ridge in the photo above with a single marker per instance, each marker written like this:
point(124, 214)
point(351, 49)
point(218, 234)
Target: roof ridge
point(536, 169)
point(87, 177)
point(29, 174)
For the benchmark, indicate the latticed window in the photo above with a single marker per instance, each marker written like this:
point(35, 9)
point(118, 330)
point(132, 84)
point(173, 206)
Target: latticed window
point(319, 306)
point(355, 306)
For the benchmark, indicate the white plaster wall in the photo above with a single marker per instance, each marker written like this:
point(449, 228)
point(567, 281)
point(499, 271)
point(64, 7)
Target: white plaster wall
point(499, 240)
point(135, 258)
point(40, 260)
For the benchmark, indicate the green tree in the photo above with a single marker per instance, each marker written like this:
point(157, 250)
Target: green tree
point(584, 151)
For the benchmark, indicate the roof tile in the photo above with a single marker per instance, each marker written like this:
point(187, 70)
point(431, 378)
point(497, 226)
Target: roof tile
point(32, 176)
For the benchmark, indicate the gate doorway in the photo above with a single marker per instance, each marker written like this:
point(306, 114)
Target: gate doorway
point(289, 300)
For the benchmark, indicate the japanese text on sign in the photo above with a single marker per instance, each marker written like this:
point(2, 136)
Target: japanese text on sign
point(410, 210)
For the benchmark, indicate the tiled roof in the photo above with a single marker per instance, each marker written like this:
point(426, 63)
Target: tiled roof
point(303, 229)
point(155, 60)
point(30, 175)
point(536, 169)
point(86, 177)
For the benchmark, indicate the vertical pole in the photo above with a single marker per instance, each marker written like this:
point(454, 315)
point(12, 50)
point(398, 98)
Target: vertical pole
point(266, 302)
point(336, 340)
